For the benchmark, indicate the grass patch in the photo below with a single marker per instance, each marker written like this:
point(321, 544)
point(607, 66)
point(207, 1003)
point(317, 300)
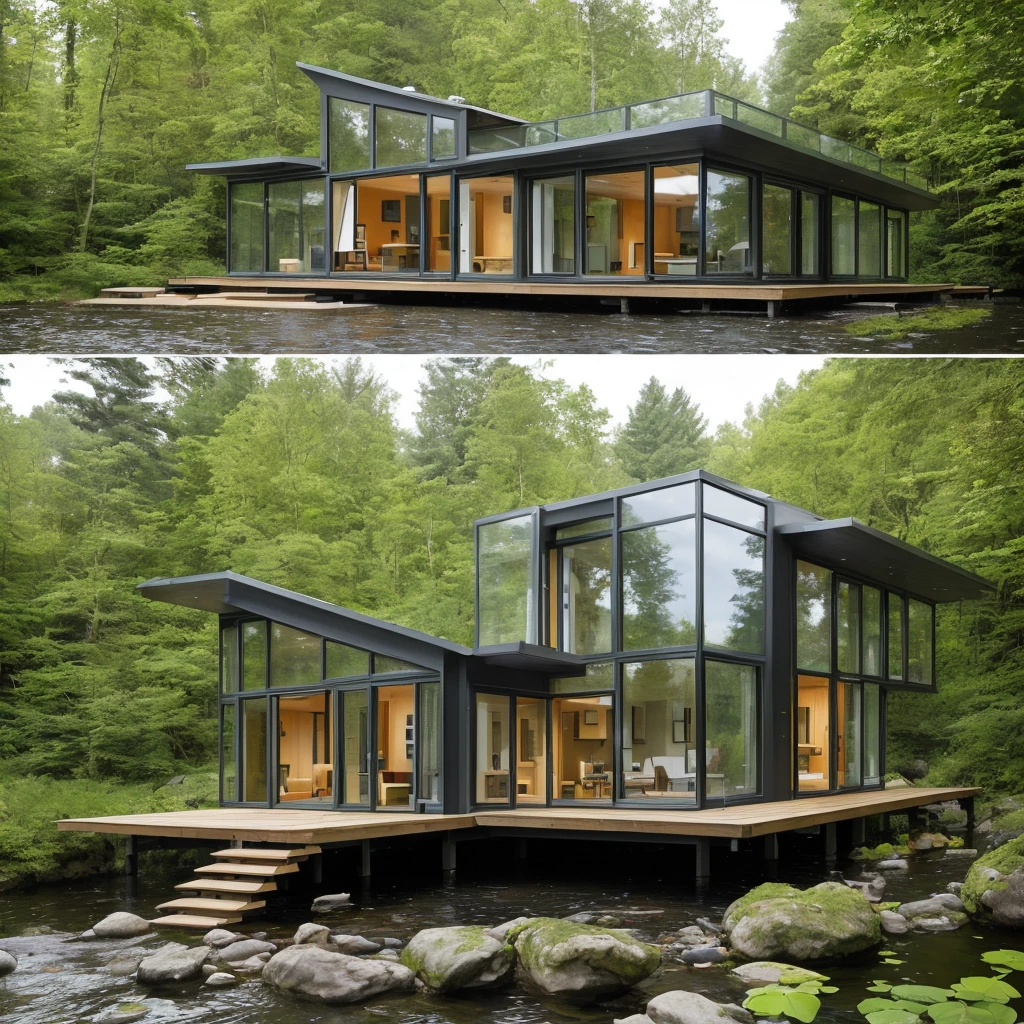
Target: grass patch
point(941, 318)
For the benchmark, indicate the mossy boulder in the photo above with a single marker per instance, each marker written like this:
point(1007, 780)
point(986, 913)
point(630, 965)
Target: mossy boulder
point(994, 887)
point(315, 973)
point(579, 961)
point(448, 959)
point(779, 922)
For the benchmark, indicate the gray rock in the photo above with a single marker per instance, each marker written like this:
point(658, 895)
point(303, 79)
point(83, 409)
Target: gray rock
point(501, 931)
point(1007, 903)
point(88, 934)
point(964, 853)
point(221, 937)
point(312, 933)
point(120, 926)
point(692, 936)
point(171, 964)
point(449, 959)
point(8, 963)
point(931, 907)
point(254, 965)
point(325, 904)
point(238, 951)
point(940, 923)
point(124, 1013)
point(954, 887)
point(771, 972)
point(221, 979)
point(704, 955)
point(125, 964)
point(583, 917)
point(893, 923)
point(209, 969)
point(609, 921)
point(354, 944)
point(389, 954)
point(391, 943)
point(634, 1018)
point(334, 978)
point(709, 926)
point(575, 961)
point(988, 873)
point(679, 1007)
point(892, 864)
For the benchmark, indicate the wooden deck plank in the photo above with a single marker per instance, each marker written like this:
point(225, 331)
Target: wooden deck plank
point(202, 923)
point(250, 870)
point(228, 885)
point(241, 853)
point(216, 906)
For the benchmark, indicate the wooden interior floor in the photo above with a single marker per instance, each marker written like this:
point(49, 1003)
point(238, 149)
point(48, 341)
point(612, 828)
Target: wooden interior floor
point(295, 825)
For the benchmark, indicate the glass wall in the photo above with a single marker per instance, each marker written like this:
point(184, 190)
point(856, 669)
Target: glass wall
point(246, 228)
point(812, 734)
point(810, 233)
point(396, 747)
point(581, 751)
point(848, 627)
point(442, 145)
point(733, 588)
point(439, 220)
point(849, 729)
point(254, 655)
point(777, 227)
point(919, 642)
point(732, 722)
point(531, 750)
point(343, 229)
point(341, 661)
point(228, 777)
point(844, 236)
point(492, 749)
point(400, 137)
point(676, 221)
point(813, 617)
point(553, 225)
point(387, 224)
point(429, 750)
point(348, 135)
point(895, 243)
point(506, 609)
point(294, 656)
point(486, 225)
point(254, 749)
point(872, 735)
point(229, 660)
point(659, 740)
point(586, 591)
point(615, 206)
point(727, 224)
point(305, 769)
point(895, 634)
point(355, 728)
point(296, 226)
point(869, 242)
point(871, 638)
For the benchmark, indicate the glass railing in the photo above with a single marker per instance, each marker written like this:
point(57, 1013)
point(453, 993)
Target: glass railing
point(685, 107)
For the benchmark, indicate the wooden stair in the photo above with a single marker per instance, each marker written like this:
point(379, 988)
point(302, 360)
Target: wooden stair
point(225, 890)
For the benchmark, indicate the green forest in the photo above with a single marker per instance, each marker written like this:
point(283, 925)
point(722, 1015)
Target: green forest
point(301, 477)
point(103, 102)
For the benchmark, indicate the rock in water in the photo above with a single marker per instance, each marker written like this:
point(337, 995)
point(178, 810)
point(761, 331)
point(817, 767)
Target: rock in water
point(577, 961)
point(704, 955)
point(311, 933)
point(120, 926)
point(893, 923)
point(125, 1013)
point(334, 978)
point(354, 944)
point(8, 963)
point(994, 887)
point(336, 901)
point(239, 951)
point(772, 973)
point(448, 959)
point(678, 1007)
point(220, 937)
point(501, 931)
point(777, 921)
point(220, 979)
point(172, 963)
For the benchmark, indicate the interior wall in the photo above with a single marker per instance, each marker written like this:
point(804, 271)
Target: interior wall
point(439, 259)
point(812, 693)
point(368, 212)
point(632, 232)
point(493, 226)
point(400, 701)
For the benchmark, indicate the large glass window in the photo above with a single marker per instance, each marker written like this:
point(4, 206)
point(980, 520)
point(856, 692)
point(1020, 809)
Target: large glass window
point(727, 224)
point(429, 750)
point(813, 617)
point(872, 735)
point(553, 225)
point(348, 135)
point(228, 777)
point(871, 638)
point(439, 220)
point(581, 752)
point(492, 749)
point(664, 503)
point(812, 734)
point(659, 586)
point(531, 750)
point(254, 655)
point(246, 228)
point(599, 676)
point(382, 664)
point(895, 634)
point(848, 727)
point(810, 230)
point(294, 656)
point(615, 222)
point(348, 254)
point(724, 505)
point(777, 223)
point(254, 749)
point(354, 727)
point(676, 221)
point(659, 751)
point(229, 659)
point(340, 661)
point(505, 582)
point(486, 225)
point(296, 224)
point(586, 590)
point(895, 243)
point(732, 749)
point(848, 628)
point(305, 770)
point(387, 224)
point(869, 240)
point(733, 588)
point(844, 235)
point(396, 747)
point(401, 137)
point(442, 145)
point(919, 642)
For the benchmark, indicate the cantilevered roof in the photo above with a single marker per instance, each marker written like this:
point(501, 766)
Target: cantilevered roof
point(261, 166)
point(878, 556)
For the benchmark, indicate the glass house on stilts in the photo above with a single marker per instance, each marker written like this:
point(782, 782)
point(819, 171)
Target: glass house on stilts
point(680, 644)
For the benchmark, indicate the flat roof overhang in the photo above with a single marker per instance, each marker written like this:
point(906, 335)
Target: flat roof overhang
point(261, 168)
point(728, 139)
point(532, 658)
point(877, 556)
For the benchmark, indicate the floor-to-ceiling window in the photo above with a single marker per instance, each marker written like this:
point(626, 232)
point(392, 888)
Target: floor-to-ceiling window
point(585, 589)
point(506, 593)
point(395, 747)
point(553, 225)
point(869, 241)
point(493, 752)
point(895, 243)
point(486, 225)
point(615, 204)
point(732, 729)
point(813, 732)
point(378, 224)
point(844, 235)
point(676, 216)
point(810, 233)
point(355, 711)
point(305, 745)
point(439, 232)
point(777, 211)
point(254, 749)
point(296, 226)
point(531, 750)
point(581, 748)
point(246, 227)
point(429, 751)
point(228, 773)
point(727, 223)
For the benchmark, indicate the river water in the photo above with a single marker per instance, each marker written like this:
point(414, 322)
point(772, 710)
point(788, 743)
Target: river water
point(61, 979)
point(81, 330)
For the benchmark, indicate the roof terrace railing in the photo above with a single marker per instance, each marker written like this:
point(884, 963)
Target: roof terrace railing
point(685, 107)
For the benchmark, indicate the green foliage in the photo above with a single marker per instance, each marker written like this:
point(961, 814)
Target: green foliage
point(782, 1001)
point(891, 327)
point(1010, 958)
point(879, 852)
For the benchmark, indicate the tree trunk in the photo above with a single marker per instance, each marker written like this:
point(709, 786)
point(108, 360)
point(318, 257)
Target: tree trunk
point(70, 72)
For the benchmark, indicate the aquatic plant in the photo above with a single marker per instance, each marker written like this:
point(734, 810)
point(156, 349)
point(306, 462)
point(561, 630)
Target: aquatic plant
point(798, 1002)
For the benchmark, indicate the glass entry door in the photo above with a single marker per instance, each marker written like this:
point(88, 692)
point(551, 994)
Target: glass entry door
point(395, 745)
point(354, 738)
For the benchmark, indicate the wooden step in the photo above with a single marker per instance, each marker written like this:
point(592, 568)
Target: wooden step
point(255, 870)
point(277, 856)
point(227, 885)
point(217, 906)
point(273, 297)
point(195, 921)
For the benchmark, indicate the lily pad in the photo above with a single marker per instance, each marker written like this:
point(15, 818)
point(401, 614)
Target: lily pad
point(777, 1001)
point(892, 1016)
point(1011, 958)
point(921, 993)
point(957, 1012)
point(982, 988)
point(893, 960)
point(867, 1006)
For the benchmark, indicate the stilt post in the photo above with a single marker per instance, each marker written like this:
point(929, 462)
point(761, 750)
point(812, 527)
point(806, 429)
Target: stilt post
point(316, 865)
point(364, 858)
point(968, 805)
point(703, 849)
point(771, 846)
point(131, 857)
point(774, 308)
point(830, 842)
point(236, 844)
point(448, 855)
point(624, 306)
point(859, 831)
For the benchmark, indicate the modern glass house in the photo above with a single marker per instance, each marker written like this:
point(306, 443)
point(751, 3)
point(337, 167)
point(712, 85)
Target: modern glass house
point(684, 643)
point(695, 188)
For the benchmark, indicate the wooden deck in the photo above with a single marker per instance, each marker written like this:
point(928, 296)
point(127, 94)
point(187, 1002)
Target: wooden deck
point(295, 826)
